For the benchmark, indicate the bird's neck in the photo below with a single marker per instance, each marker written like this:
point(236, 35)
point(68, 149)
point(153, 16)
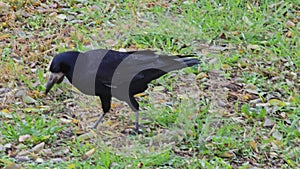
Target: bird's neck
point(72, 58)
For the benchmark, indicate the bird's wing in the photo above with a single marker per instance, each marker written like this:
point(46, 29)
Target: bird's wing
point(141, 61)
point(111, 64)
point(116, 68)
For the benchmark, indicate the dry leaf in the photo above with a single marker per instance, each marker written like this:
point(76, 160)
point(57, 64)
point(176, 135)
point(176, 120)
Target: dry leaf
point(24, 137)
point(290, 24)
point(227, 154)
point(226, 67)
point(29, 100)
point(268, 123)
point(39, 160)
point(90, 152)
point(289, 34)
point(5, 111)
point(86, 136)
point(273, 155)
point(61, 16)
point(253, 47)
point(158, 88)
point(13, 166)
point(254, 146)
point(38, 147)
point(3, 36)
point(276, 102)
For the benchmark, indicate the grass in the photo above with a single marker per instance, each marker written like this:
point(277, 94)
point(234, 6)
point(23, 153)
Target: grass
point(240, 111)
point(40, 129)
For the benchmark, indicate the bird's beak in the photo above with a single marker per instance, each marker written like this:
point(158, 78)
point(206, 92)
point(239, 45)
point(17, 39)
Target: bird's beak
point(54, 78)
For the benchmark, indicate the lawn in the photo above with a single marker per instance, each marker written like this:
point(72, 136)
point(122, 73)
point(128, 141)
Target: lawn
point(240, 108)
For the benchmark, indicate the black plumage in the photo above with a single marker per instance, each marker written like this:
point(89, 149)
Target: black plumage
point(109, 73)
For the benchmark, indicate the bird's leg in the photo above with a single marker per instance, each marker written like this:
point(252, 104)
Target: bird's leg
point(137, 126)
point(136, 121)
point(105, 100)
point(135, 107)
point(98, 121)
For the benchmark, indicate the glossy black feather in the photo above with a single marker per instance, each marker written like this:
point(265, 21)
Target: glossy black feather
point(108, 73)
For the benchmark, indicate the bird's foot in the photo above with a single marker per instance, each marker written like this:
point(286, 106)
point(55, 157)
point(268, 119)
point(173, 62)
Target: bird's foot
point(138, 131)
point(94, 127)
point(132, 131)
point(91, 127)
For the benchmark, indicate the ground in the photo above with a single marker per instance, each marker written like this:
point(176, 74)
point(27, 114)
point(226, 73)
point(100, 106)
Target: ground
point(240, 108)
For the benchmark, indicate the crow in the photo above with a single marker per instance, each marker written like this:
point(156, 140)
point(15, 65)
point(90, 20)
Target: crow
point(109, 73)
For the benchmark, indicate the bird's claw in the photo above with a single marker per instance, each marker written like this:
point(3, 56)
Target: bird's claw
point(92, 127)
point(132, 131)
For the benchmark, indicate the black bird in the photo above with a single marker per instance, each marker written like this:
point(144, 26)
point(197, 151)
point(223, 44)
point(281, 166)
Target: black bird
point(109, 73)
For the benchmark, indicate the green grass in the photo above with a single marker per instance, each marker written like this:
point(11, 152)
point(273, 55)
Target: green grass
point(39, 128)
point(252, 44)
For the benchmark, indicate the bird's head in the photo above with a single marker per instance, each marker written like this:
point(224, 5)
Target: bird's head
point(62, 65)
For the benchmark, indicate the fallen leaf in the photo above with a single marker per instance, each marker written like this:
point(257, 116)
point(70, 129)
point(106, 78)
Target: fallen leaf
point(201, 75)
point(261, 104)
point(276, 102)
point(31, 109)
point(253, 47)
point(253, 146)
point(5, 111)
point(39, 160)
point(243, 65)
point(38, 147)
point(252, 91)
point(66, 121)
point(61, 16)
point(90, 152)
point(226, 67)
point(290, 24)
point(273, 155)
point(60, 151)
point(289, 34)
point(6, 161)
point(246, 97)
point(46, 137)
point(24, 153)
point(5, 115)
point(29, 100)
point(227, 154)
point(24, 137)
point(13, 166)
point(158, 88)
point(56, 160)
point(268, 123)
point(219, 48)
point(86, 136)
point(114, 105)
point(4, 36)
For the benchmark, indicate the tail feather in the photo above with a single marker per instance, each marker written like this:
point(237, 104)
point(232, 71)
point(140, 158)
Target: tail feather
point(191, 61)
point(180, 63)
